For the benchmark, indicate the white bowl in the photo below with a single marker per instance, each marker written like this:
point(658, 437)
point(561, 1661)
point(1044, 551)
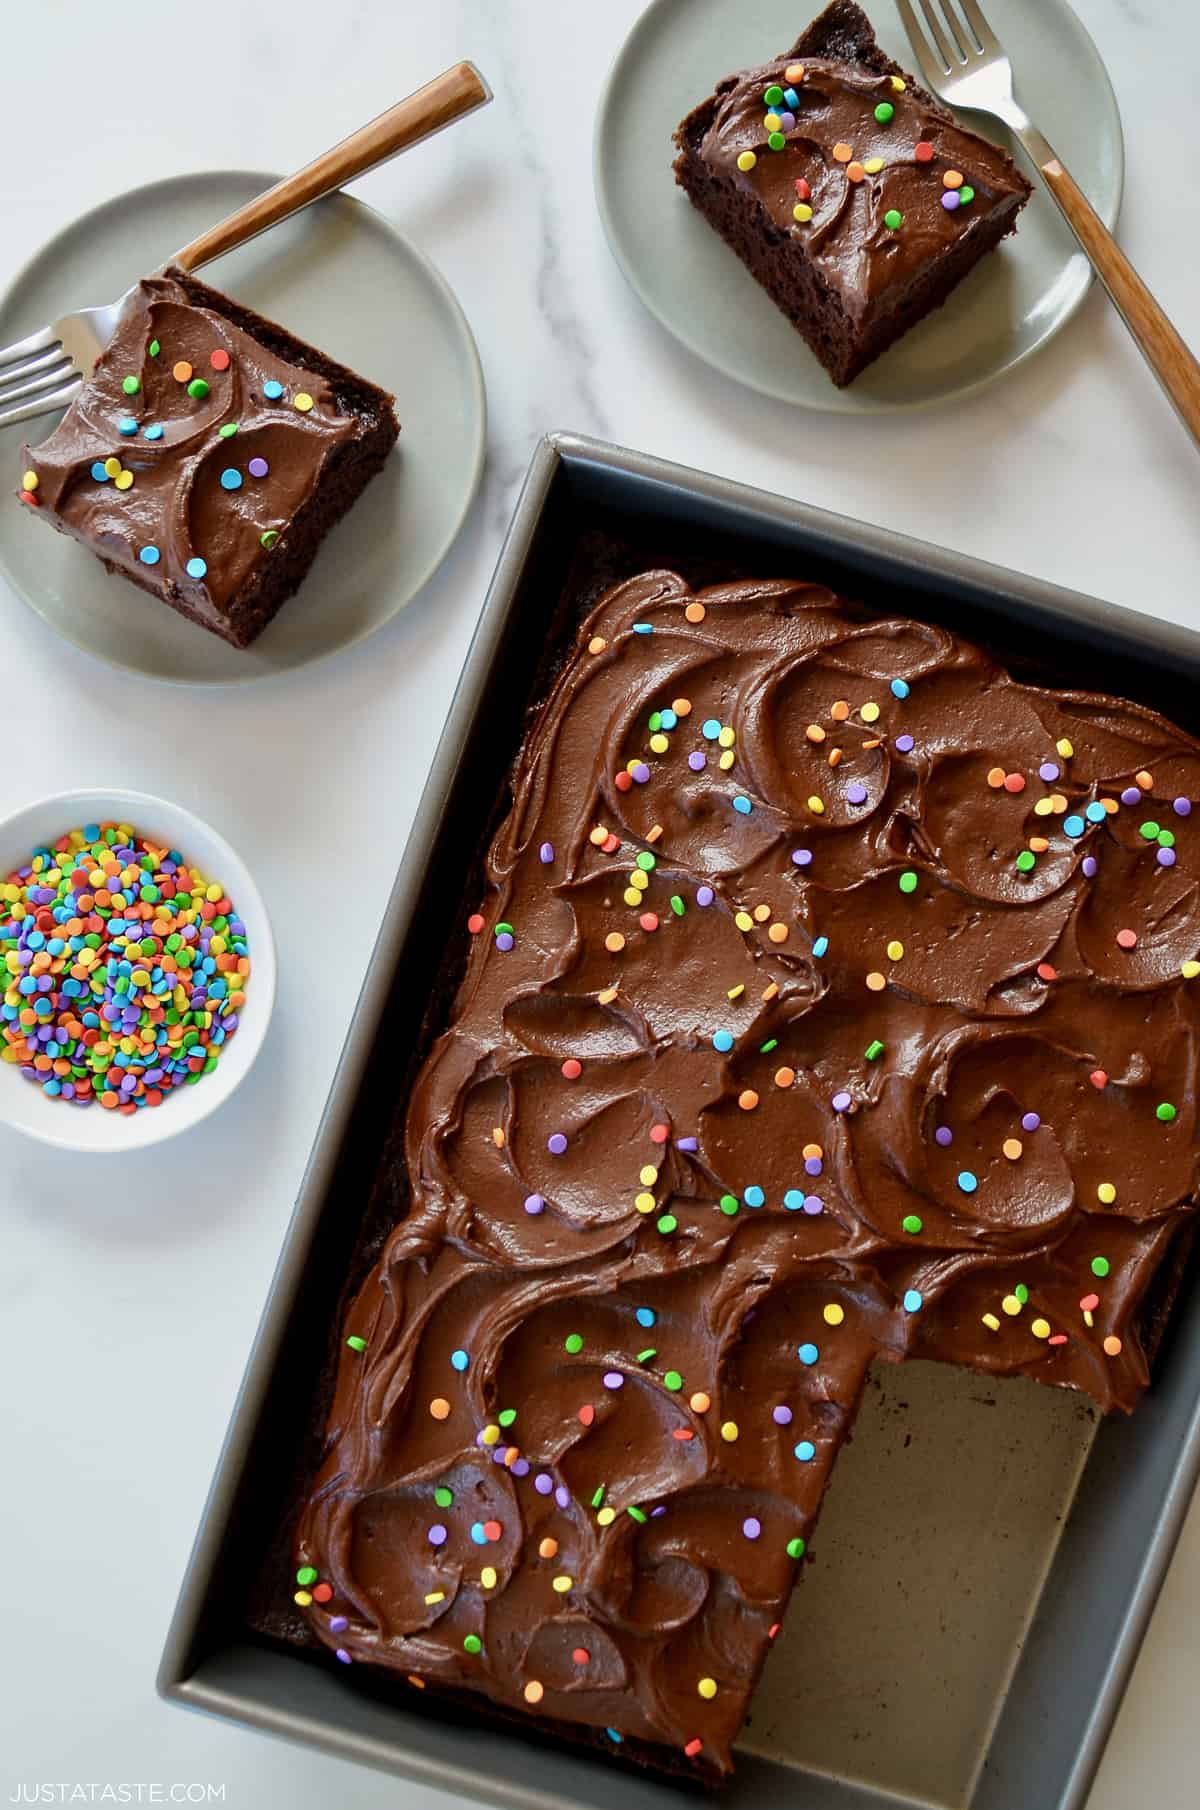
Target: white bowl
point(24, 1106)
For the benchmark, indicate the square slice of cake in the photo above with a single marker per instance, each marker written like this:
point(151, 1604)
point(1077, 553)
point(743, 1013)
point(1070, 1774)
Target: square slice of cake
point(854, 197)
point(208, 455)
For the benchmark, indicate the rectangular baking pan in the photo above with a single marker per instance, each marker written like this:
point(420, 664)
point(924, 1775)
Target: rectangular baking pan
point(957, 1645)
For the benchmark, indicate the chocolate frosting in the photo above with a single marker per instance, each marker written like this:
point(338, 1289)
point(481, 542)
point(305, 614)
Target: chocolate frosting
point(855, 250)
point(176, 502)
point(847, 1078)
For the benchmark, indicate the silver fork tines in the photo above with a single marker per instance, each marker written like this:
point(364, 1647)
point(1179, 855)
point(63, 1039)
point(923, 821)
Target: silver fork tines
point(45, 370)
point(964, 63)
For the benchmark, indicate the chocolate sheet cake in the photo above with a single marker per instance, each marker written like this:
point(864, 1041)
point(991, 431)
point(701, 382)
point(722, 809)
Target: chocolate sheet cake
point(855, 198)
point(208, 455)
point(832, 999)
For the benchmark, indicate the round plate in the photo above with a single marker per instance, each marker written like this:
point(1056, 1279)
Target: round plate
point(1012, 302)
point(339, 276)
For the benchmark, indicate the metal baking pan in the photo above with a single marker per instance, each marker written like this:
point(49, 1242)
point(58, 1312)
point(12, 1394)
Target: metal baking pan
point(955, 1648)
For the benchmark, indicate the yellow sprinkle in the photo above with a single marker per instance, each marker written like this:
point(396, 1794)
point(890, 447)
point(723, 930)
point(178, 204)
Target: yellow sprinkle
point(303, 401)
point(1042, 808)
point(548, 1548)
point(726, 760)
point(435, 1596)
point(563, 1583)
point(606, 1516)
point(991, 1322)
point(639, 880)
point(746, 160)
point(1189, 970)
point(113, 467)
point(895, 952)
point(490, 1434)
point(1040, 1329)
point(1011, 1304)
point(124, 480)
point(873, 165)
point(487, 1577)
point(647, 1175)
point(729, 1431)
point(631, 897)
point(869, 713)
point(1106, 1193)
point(1012, 1148)
point(597, 644)
point(815, 733)
point(303, 1597)
point(606, 997)
point(534, 1691)
point(1089, 1318)
point(736, 992)
point(816, 806)
point(833, 1313)
point(743, 920)
point(1064, 748)
point(29, 480)
point(898, 84)
point(707, 1687)
point(802, 213)
point(598, 835)
point(644, 1203)
point(772, 122)
point(761, 913)
point(726, 738)
point(498, 1136)
point(659, 743)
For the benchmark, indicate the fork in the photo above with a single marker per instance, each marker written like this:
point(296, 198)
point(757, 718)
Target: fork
point(965, 65)
point(45, 370)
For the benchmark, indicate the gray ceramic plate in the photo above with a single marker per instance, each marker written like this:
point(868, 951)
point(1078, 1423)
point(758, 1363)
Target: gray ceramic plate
point(689, 279)
point(339, 276)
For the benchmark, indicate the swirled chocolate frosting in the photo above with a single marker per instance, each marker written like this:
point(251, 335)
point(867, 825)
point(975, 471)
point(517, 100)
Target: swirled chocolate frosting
point(833, 998)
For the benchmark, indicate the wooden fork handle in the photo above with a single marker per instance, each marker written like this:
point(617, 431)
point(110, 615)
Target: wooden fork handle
point(447, 98)
point(1161, 345)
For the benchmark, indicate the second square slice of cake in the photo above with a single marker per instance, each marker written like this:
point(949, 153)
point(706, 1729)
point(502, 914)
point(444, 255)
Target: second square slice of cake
point(853, 197)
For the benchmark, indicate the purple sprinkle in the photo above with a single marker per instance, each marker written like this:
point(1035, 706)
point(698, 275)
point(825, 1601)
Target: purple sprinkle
point(338, 1624)
point(950, 201)
point(504, 940)
point(1182, 807)
point(562, 1496)
point(944, 1135)
point(556, 1143)
point(813, 1165)
point(841, 1102)
point(752, 1527)
point(813, 1204)
point(258, 468)
point(787, 122)
point(696, 761)
point(543, 1483)
point(520, 1467)
point(904, 744)
point(1030, 1121)
point(546, 853)
point(856, 792)
point(343, 1656)
point(613, 1379)
point(1130, 795)
point(687, 1143)
point(498, 1454)
point(1166, 857)
point(1089, 866)
point(1047, 770)
point(802, 857)
point(656, 1512)
point(641, 773)
point(438, 1535)
point(534, 1203)
point(782, 1415)
point(705, 895)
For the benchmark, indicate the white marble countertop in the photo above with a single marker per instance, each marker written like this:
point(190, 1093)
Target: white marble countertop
point(131, 1289)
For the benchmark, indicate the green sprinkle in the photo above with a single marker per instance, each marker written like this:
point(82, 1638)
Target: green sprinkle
point(773, 95)
point(154, 348)
point(646, 861)
point(1164, 1112)
point(506, 1416)
point(228, 430)
point(873, 1050)
point(1166, 839)
point(772, 1043)
point(472, 1644)
point(776, 141)
point(1149, 831)
point(198, 389)
point(1022, 1294)
point(729, 1204)
point(1100, 1266)
point(306, 1576)
point(500, 929)
point(1026, 860)
point(655, 721)
point(268, 539)
point(667, 1224)
point(908, 881)
point(673, 1380)
point(651, 1351)
point(912, 1222)
point(796, 1548)
point(677, 905)
point(442, 1496)
point(966, 195)
point(355, 1343)
point(130, 385)
point(573, 1343)
point(598, 1497)
point(885, 113)
point(893, 219)
point(638, 1514)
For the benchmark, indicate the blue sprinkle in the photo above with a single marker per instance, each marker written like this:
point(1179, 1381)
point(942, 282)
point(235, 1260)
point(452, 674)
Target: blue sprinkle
point(477, 1533)
point(791, 99)
point(127, 425)
point(459, 1359)
point(742, 803)
point(723, 1041)
point(668, 719)
point(196, 568)
point(899, 688)
point(646, 1316)
point(806, 1451)
point(710, 729)
point(99, 473)
point(808, 1354)
point(820, 946)
point(913, 1301)
point(754, 1197)
point(1074, 826)
point(614, 1736)
point(149, 556)
point(793, 1200)
point(967, 1182)
point(643, 628)
point(1096, 812)
point(155, 432)
point(231, 479)
point(272, 390)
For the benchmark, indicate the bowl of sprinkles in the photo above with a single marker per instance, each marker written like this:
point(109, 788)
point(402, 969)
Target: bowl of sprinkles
point(138, 970)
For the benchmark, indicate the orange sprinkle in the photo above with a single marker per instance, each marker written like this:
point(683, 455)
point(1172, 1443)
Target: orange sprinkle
point(1038, 844)
point(995, 777)
point(761, 913)
point(953, 179)
point(770, 991)
point(1144, 780)
point(815, 733)
point(784, 1077)
point(1113, 1346)
point(855, 172)
point(700, 1403)
point(778, 933)
point(812, 1150)
point(597, 644)
point(748, 1100)
point(182, 372)
point(682, 706)
point(498, 1136)
point(840, 711)
point(548, 1548)
point(614, 942)
point(695, 612)
point(534, 1692)
point(439, 1407)
point(876, 982)
point(835, 755)
point(654, 832)
point(1012, 1148)
point(844, 152)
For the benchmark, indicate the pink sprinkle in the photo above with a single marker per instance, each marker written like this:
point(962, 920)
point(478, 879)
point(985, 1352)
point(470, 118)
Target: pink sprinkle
point(1127, 939)
point(1057, 1338)
point(572, 1069)
point(659, 1134)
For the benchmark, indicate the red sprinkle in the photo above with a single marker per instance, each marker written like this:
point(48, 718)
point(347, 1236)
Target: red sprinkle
point(923, 151)
point(803, 191)
point(587, 1414)
point(322, 1593)
point(1090, 1303)
point(474, 923)
point(624, 781)
point(1127, 939)
point(773, 1630)
point(1098, 1078)
point(1014, 782)
point(1057, 1338)
point(692, 1747)
point(572, 1069)
point(649, 920)
point(492, 1530)
point(1046, 972)
point(659, 1134)
point(581, 1656)
point(219, 360)
point(682, 1433)
point(611, 844)
point(27, 496)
